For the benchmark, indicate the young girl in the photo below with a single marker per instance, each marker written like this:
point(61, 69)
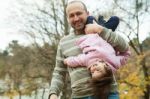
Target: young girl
point(100, 58)
point(94, 49)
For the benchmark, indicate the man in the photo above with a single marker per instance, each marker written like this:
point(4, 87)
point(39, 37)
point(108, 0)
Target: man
point(77, 16)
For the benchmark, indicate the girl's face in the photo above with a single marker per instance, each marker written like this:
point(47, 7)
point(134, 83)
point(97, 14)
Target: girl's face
point(98, 69)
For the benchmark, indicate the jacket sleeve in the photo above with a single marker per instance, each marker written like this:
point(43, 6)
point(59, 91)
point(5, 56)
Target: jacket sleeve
point(59, 74)
point(79, 60)
point(117, 41)
point(116, 61)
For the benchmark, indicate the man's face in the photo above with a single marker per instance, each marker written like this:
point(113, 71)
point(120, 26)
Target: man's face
point(98, 70)
point(76, 15)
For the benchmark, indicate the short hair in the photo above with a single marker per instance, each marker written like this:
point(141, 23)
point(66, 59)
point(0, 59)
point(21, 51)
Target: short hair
point(74, 1)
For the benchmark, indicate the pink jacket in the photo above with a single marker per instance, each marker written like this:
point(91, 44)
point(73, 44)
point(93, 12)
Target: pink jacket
point(95, 48)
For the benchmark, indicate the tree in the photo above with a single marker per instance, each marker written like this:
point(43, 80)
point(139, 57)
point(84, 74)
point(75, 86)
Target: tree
point(145, 44)
point(135, 15)
point(45, 26)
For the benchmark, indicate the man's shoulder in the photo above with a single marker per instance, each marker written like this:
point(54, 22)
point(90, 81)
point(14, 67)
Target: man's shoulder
point(66, 37)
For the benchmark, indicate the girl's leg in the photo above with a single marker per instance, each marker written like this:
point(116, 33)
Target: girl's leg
point(112, 23)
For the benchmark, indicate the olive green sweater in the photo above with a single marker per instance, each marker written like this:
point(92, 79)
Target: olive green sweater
point(80, 75)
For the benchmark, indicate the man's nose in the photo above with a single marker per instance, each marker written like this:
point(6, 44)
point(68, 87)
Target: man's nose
point(76, 18)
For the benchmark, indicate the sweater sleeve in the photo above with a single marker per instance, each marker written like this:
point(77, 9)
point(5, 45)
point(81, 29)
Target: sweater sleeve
point(59, 74)
point(117, 41)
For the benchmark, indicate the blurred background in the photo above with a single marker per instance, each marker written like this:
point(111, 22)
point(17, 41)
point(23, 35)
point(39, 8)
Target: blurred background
point(31, 29)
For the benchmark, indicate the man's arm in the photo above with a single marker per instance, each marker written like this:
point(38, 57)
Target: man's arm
point(117, 41)
point(58, 77)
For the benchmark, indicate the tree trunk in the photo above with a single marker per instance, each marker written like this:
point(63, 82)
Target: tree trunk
point(43, 93)
point(36, 94)
point(145, 71)
point(19, 94)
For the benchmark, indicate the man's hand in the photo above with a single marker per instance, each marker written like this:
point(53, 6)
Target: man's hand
point(93, 28)
point(53, 96)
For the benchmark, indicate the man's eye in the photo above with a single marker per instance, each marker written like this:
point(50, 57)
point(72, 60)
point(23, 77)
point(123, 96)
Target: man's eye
point(70, 15)
point(79, 13)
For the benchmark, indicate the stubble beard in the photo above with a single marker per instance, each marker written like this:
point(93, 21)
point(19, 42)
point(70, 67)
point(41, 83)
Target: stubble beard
point(80, 29)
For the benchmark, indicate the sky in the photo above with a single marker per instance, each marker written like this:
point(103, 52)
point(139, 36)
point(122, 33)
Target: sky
point(9, 30)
